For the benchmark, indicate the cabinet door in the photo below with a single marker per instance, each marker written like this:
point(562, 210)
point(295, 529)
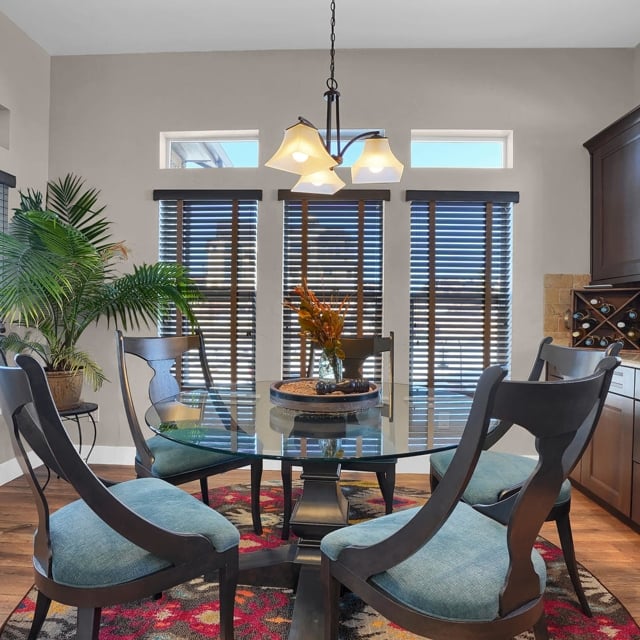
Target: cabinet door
point(606, 464)
point(615, 191)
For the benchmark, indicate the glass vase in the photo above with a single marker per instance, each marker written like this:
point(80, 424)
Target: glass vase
point(329, 367)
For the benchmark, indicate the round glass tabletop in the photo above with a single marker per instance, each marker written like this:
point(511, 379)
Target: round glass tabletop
point(401, 421)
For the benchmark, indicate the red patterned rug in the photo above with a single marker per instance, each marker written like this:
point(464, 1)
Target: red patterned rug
point(190, 611)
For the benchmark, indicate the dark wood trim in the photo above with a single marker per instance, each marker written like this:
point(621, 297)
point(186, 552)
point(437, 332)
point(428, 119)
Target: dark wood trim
point(345, 194)
point(431, 337)
point(207, 194)
point(233, 302)
point(418, 195)
point(7, 179)
point(488, 258)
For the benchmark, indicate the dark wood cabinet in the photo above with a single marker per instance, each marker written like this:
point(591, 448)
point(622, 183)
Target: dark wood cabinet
point(615, 201)
point(606, 464)
point(607, 469)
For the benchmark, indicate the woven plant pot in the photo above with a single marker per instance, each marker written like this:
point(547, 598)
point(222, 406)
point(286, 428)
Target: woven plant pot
point(66, 387)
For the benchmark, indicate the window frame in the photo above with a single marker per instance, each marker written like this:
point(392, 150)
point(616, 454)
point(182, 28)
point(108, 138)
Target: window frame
point(503, 136)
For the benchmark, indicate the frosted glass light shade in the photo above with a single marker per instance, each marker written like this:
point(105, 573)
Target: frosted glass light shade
point(376, 163)
point(302, 151)
point(326, 182)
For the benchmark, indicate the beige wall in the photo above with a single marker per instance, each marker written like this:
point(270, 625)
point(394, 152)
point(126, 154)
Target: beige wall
point(24, 91)
point(107, 112)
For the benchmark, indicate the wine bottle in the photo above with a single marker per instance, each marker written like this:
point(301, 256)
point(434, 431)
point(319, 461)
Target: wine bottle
point(595, 301)
point(590, 341)
point(578, 334)
point(632, 315)
point(588, 323)
point(606, 308)
point(605, 341)
point(633, 334)
point(580, 315)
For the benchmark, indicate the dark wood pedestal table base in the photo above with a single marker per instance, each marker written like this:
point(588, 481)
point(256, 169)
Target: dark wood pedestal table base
point(247, 422)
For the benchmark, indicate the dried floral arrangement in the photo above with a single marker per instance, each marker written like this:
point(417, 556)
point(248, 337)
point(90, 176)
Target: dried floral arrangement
point(321, 322)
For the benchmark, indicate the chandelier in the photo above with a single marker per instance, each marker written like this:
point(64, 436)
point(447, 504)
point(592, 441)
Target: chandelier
point(304, 152)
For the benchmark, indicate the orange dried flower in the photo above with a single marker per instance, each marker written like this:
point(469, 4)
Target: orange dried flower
point(320, 321)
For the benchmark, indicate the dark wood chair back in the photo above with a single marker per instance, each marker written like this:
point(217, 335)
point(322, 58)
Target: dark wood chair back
point(561, 415)
point(558, 362)
point(34, 422)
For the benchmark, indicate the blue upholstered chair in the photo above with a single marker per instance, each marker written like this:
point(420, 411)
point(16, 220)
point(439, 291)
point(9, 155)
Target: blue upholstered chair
point(158, 457)
point(499, 474)
point(448, 570)
point(114, 544)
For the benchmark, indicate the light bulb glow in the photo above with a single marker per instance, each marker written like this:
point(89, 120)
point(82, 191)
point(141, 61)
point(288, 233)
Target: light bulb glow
point(300, 156)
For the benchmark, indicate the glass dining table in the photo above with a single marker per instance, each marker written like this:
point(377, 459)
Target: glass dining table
point(262, 420)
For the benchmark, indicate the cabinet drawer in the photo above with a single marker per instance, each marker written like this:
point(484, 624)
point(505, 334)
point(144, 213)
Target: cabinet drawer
point(623, 381)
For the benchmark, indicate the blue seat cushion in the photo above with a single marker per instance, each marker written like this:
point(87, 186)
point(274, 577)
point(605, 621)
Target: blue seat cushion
point(457, 575)
point(88, 553)
point(495, 472)
point(173, 458)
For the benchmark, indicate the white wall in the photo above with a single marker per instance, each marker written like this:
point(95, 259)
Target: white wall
point(24, 91)
point(107, 112)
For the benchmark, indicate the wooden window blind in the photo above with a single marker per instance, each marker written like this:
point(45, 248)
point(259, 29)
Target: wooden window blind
point(460, 297)
point(335, 243)
point(214, 235)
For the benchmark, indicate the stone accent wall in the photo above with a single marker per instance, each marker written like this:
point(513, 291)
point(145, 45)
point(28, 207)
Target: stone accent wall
point(557, 300)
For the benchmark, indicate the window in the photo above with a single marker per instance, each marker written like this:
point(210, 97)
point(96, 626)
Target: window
point(5, 127)
point(461, 149)
point(214, 235)
point(208, 149)
point(7, 181)
point(460, 295)
point(335, 243)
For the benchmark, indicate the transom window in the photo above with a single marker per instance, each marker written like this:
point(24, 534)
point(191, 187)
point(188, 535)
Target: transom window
point(467, 149)
point(208, 149)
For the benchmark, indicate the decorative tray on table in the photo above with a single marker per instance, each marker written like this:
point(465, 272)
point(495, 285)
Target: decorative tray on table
point(301, 394)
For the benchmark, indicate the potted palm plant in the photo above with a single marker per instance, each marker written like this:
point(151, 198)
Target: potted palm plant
point(59, 274)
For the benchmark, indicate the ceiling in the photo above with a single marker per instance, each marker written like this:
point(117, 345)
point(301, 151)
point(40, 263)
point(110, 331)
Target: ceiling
point(75, 27)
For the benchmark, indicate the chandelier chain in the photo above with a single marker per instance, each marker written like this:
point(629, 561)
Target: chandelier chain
point(331, 81)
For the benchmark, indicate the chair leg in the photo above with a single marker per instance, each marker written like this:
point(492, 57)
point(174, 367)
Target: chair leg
point(331, 589)
point(563, 525)
point(88, 624)
point(204, 490)
point(39, 615)
point(228, 582)
point(256, 480)
point(285, 472)
point(540, 631)
point(387, 483)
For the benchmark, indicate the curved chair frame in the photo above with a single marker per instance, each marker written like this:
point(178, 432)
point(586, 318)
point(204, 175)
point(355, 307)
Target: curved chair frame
point(357, 350)
point(561, 415)
point(560, 363)
point(161, 354)
point(34, 421)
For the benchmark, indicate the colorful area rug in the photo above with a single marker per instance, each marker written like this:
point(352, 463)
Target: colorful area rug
point(190, 611)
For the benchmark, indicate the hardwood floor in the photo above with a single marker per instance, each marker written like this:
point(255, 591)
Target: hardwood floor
point(610, 549)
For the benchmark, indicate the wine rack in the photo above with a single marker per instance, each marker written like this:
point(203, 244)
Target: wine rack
point(602, 316)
